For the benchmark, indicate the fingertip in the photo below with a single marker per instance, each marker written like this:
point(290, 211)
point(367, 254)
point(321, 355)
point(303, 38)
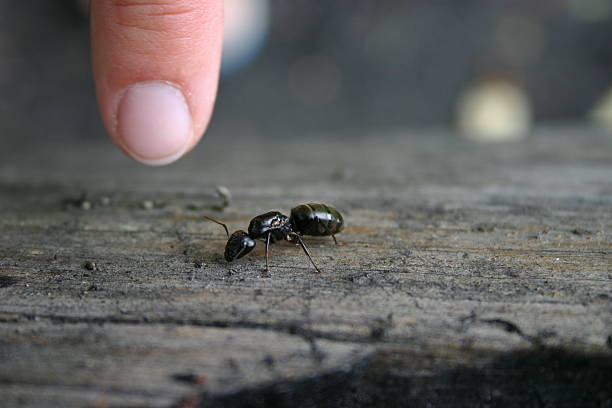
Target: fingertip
point(154, 123)
point(156, 68)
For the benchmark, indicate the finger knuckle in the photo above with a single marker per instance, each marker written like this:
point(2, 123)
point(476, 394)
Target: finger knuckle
point(157, 15)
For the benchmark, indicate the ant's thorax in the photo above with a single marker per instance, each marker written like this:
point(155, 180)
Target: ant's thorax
point(274, 223)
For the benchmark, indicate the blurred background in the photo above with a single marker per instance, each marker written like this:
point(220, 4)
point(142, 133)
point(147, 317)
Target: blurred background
point(490, 69)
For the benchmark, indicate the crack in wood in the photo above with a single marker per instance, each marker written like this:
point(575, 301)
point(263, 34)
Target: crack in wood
point(308, 335)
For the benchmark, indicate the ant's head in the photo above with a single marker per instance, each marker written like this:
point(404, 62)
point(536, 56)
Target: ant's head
point(238, 245)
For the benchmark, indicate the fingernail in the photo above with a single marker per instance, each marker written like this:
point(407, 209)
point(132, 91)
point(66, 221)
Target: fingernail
point(154, 123)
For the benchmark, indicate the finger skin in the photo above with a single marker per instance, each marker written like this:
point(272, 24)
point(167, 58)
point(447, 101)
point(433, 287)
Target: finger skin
point(138, 41)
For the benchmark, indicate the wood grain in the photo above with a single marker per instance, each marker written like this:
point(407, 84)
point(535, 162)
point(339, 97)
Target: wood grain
point(454, 255)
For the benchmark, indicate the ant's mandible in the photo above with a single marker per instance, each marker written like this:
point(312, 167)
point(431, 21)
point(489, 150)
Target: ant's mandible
point(306, 219)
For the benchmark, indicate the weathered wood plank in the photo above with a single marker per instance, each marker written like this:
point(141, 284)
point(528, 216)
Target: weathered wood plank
point(153, 365)
point(449, 246)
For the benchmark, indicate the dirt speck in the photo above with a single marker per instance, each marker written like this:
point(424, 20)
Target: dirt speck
point(191, 378)
point(581, 231)
point(147, 205)
point(226, 197)
point(484, 228)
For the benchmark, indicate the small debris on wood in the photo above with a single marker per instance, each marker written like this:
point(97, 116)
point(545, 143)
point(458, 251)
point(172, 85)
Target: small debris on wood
point(90, 266)
point(268, 361)
point(198, 264)
point(380, 328)
point(191, 378)
point(151, 204)
point(484, 228)
point(226, 197)
point(193, 207)
point(581, 231)
point(147, 205)
point(225, 194)
point(80, 202)
point(378, 332)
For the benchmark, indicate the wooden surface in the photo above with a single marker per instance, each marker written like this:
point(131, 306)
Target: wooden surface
point(467, 275)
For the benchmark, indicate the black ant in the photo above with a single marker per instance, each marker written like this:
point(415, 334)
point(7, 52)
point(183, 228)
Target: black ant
point(306, 219)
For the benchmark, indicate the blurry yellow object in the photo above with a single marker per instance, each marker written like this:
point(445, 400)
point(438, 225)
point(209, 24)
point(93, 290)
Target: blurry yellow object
point(494, 111)
point(245, 30)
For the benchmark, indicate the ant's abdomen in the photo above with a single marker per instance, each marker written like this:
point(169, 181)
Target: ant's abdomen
point(316, 219)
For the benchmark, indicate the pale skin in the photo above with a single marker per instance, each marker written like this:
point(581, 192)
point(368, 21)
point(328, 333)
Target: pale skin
point(156, 69)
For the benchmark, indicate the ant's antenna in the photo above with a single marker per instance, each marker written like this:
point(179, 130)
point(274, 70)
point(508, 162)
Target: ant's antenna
point(218, 222)
point(299, 240)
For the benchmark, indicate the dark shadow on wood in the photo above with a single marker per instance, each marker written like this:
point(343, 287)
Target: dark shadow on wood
point(540, 377)
point(6, 281)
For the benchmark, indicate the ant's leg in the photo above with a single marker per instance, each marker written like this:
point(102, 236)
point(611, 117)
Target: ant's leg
point(267, 245)
point(327, 229)
point(218, 222)
point(299, 240)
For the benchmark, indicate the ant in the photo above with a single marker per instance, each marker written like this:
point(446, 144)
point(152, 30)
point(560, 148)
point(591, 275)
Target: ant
point(313, 219)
